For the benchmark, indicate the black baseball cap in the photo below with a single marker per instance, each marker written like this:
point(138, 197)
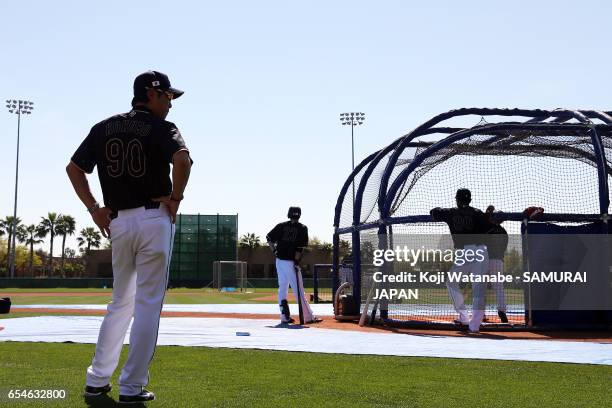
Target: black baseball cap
point(294, 213)
point(156, 80)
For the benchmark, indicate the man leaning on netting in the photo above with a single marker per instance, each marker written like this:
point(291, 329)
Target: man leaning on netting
point(467, 227)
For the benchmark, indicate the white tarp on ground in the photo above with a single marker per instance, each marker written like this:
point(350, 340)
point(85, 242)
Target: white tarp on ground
point(268, 335)
point(321, 309)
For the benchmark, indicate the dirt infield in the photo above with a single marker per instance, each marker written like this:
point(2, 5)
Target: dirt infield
point(70, 294)
point(274, 298)
point(332, 324)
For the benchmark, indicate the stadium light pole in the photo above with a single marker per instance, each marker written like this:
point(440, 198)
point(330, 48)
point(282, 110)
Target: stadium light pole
point(18, 107)
point(352, 119)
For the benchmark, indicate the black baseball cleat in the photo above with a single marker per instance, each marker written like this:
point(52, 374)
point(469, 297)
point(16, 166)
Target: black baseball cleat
point(502, 316)
point(315, 321)
point(95, 391)
point(144, 396)
point(290, 321)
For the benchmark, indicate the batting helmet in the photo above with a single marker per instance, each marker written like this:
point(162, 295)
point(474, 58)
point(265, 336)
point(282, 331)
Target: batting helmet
point(463, 196)
point(294, 213)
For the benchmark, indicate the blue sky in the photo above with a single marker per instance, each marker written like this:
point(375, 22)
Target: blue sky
point(265, 81)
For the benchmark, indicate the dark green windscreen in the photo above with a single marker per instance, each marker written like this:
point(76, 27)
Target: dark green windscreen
point(199, 241)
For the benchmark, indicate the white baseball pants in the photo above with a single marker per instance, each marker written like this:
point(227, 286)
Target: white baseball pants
point(287, 277)
point(478, 289)
point(141, 249)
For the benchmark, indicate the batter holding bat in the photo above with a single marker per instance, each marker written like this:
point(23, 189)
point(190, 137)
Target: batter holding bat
point(133, 152)
point(287, 240)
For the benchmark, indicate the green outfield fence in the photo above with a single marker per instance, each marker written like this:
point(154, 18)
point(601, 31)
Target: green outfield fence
point(199, 241)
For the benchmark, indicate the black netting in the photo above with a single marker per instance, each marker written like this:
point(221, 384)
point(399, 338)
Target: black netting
point(369, 206)
point(513, 172)
point(345, 261)
point(433, 305)
point(551, 163)
point(346, 215)
point(608, 154)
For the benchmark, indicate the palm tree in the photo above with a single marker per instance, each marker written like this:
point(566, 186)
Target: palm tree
point(89, 237)
point(32, 239)
point(70, 253)
point(345, 248)
point(7, 226)
point(250, 241)
point(4, 229)
point(66, 225)
point(22, 233)
point(48, 226)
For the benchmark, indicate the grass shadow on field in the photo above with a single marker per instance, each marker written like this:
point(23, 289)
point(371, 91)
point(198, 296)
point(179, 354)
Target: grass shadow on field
point(102, 401)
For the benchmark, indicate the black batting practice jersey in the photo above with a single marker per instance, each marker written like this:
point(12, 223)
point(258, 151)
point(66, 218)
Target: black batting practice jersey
point(133, 152)
point(289, 238)
point(467, 224)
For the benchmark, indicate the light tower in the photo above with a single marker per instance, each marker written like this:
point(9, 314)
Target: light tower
point(352, 119)
point(18, 107)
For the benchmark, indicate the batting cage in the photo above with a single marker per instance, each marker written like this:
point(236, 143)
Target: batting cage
point(546, 172)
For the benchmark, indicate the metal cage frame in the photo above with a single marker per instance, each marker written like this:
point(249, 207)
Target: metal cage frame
point(592, 123)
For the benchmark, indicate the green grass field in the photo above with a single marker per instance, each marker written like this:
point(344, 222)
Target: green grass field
point(212, 296)
point(173, 296)
point(205, 377)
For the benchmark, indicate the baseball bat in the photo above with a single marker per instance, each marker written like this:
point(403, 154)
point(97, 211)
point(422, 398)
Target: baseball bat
point(364, 314)
point(298, 278)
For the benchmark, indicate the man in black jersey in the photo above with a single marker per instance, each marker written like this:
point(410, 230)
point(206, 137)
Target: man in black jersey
point(287, 240)
point(133, 152)
point(467, 226)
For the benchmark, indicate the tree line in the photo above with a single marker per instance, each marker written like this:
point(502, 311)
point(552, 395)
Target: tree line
point(253, 241)
point(54, 226)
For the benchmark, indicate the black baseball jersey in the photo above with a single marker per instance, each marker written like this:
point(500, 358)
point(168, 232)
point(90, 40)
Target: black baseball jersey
point(289, 237)
point(467, 224)
point(133, 152)
point(497, 241)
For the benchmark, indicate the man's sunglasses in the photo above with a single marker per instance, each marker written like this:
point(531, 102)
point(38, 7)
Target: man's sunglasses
point(168, 94)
